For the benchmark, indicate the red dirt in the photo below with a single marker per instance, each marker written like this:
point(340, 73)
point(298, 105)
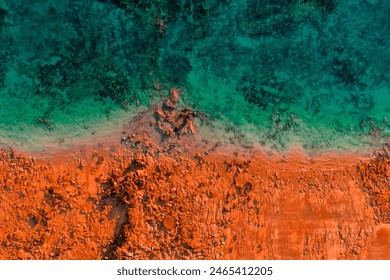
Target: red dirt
point(170, 198)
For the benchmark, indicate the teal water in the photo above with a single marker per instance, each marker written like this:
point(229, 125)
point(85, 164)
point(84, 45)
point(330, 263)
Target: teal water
point(309, 73)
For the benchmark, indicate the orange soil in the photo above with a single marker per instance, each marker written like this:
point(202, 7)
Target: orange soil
point(188, 199)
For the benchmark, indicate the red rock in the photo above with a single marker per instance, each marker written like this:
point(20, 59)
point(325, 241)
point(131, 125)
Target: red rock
point(169, 222)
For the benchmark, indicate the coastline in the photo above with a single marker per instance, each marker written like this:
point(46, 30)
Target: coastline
point(187, 198)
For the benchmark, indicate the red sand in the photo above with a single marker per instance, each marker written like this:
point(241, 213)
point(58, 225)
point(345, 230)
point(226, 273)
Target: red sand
point(188, 199)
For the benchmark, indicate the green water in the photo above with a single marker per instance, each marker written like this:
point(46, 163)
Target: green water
point(309, 73)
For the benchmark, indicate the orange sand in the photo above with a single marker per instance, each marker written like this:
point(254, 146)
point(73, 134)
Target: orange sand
point(186, 198)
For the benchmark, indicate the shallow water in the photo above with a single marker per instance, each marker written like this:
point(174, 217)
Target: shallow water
point(311, 73)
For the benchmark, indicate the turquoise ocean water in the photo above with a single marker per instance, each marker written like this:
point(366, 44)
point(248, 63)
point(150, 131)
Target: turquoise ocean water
point(312, 73)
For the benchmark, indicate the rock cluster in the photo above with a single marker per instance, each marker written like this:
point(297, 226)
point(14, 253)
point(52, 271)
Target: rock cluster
point(174, 122)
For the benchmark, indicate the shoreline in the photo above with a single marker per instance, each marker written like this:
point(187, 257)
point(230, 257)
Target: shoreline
point(191, 199)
